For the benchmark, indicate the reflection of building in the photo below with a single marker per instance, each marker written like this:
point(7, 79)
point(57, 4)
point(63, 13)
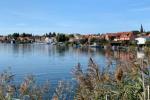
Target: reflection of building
point(123, 56)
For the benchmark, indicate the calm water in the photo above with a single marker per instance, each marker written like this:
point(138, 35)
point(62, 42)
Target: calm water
point(46, 62)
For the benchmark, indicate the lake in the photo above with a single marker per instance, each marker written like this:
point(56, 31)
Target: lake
point(46, 62)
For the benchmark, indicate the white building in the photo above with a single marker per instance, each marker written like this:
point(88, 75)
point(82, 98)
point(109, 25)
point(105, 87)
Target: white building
point(142, 40)
point(48, 40)
point(51, 40)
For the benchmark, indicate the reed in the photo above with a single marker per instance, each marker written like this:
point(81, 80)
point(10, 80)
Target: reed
point(129, 81)
point(30, 90)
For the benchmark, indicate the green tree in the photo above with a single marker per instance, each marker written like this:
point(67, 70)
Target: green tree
point(54, 34)
point(62, 37)
point(15, 35)
point(135, 32)
point(71, 35)
point(26, 35)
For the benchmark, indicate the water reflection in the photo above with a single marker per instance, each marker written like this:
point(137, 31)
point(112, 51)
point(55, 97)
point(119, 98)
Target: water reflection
point(48, 50)
point(52, 62)
point(89, 51)
point(25, 49)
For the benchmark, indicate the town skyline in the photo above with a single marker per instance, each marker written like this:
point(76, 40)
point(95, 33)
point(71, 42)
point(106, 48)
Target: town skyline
point(141, 29)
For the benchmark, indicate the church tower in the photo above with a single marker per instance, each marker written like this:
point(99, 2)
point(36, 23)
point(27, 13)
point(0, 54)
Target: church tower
point(141, 30)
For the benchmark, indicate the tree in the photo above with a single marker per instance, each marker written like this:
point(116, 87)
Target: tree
point(71, 35)
point(50, 34)
point(15, 35)
point(62, 37)
point(83, 41)
point(54, 34)
point(26, 35)
point(135, 32)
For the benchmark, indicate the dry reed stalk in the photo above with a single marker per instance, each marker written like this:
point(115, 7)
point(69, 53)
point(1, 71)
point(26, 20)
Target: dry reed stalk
point(119, 74)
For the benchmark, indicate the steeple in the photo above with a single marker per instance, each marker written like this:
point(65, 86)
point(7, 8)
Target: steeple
point(141, 30)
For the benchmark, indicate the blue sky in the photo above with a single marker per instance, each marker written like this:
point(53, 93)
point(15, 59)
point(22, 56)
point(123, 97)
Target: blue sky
point(73, 16)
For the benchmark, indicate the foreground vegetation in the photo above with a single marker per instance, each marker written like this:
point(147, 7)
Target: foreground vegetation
point(119, 80)
point(129, 80)
point(30, 90)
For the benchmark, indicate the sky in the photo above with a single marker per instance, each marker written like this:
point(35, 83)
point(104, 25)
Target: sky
point(73, 16)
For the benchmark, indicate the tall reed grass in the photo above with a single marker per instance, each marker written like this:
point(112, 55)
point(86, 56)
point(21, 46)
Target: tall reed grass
point(129, 81)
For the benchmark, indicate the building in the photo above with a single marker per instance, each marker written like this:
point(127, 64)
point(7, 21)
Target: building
point(124, 36)
point(141, 30)
point(50, 40)
point(142, 40)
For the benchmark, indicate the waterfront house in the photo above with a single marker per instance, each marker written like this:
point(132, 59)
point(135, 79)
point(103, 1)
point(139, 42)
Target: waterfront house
point(50, 40)
point(72, 40)
point(111, 36)
point(4, 39)
point(37, 39)
point(124, 36)
point(142, 40)
point(77, 38)
point(119, 36)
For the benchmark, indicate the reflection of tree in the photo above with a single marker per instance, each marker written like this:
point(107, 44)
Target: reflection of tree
point(21, 48)
point(88, 51)
point(26, 48)
point(15, 48)
point(61, 50)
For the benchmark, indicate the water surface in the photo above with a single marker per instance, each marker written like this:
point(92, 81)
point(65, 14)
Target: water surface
point(46, 62)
